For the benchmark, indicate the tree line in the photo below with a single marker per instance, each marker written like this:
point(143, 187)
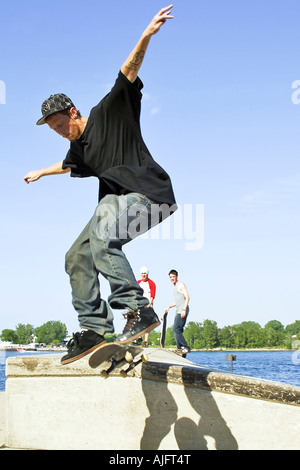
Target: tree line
point(206, 335)
point(52, 332)
point(248, 334)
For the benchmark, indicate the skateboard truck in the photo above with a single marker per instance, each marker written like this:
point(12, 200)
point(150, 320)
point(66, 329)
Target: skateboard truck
point(132, 362)
point(125, 364)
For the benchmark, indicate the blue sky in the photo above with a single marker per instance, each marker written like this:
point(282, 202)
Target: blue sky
point(218, 115)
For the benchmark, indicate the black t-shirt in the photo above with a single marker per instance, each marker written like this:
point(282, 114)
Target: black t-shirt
point(112, 148)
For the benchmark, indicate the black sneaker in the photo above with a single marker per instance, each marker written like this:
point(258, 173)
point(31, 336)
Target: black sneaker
point(130, 317)
point(143, 322)
point(82, 344)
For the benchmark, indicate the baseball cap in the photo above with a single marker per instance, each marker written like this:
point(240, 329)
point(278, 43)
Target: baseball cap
point(54, 104)
point(144, 270)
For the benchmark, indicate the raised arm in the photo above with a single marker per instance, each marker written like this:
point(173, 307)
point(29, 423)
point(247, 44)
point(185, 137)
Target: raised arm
point(132, 65)
point(170, 306)
point(55, 169)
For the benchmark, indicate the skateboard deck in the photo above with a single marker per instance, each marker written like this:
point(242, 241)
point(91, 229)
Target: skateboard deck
point(114, 356)
point(163, 331)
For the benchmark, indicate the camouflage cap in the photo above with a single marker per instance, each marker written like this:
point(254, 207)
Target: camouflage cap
point(54, 104)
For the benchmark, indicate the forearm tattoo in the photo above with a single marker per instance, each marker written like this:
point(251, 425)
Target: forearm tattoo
point(136, 60)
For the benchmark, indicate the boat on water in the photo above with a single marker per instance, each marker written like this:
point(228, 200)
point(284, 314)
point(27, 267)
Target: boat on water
point(24, 350)
point(7, 346)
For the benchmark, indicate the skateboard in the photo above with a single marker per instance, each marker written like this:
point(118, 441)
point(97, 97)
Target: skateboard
point(163, 331)
point(112, 356)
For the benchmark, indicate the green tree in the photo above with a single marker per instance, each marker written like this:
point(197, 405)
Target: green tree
point(239, 336)
point(273, 334)
point(50, 332)
point(275, 325)
point(154, 338)
point(170, 340)
point(193, 335)
point(253, 334)
point(210, 334)
point(293, 329)
point(291, 332)
point(270, 337)
point(110, 338)
point(9, 335)
point(226, 337)
point(24, 333)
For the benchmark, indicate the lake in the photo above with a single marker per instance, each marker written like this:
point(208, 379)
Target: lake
point(279, 366)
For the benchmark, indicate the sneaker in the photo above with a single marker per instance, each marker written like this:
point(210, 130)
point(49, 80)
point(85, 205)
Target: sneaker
point(144, 321)
point(130, 317)
point(82, 344)
point(185, 350)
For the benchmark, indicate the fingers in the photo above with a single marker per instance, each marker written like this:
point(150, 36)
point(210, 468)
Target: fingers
point(164, 14)
point(165, 9)
point(27, 179)
point(164, 18)
point(32, 176)
point(159, 19)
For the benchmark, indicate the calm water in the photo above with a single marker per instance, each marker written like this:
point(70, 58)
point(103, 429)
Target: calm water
point(279, 366)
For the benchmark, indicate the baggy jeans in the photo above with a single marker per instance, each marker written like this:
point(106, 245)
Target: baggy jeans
point(98, 249)
point(178, 327)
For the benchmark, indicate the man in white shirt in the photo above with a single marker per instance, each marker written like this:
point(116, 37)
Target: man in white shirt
point(149, 289)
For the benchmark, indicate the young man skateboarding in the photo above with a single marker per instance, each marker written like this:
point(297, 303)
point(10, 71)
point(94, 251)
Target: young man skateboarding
point(109, 145)
point(181, 303)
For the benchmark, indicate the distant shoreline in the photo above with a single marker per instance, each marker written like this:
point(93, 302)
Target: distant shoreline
point(233, 349)
point(24, 349)
point(50, 349)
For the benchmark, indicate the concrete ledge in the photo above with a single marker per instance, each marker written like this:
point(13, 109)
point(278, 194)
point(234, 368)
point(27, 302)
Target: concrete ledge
point(223, 382)
point(167, 404)
point(2, 419)
point(163, 366)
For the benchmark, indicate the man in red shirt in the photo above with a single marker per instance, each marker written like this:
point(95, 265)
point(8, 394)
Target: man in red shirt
point(149, 289)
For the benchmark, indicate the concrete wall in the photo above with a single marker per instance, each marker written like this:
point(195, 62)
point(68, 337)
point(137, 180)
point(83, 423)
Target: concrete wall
point(164, 406)
point(2, 419)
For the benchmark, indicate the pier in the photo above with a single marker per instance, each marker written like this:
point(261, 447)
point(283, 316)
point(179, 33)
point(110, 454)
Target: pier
point(168, 403)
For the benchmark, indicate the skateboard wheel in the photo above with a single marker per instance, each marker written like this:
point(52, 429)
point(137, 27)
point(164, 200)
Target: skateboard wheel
point(104, 374)
point(123, 374)
point(145, 358)
point(128, 356)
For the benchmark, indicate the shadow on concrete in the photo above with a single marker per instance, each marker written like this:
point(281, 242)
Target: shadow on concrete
point(211, 430)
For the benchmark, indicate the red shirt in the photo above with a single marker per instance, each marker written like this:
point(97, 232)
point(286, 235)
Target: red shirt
point(152, 287)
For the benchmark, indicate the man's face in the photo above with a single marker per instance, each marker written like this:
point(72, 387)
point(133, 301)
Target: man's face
point(144, 277)
point(173, 278)
point(64, 125)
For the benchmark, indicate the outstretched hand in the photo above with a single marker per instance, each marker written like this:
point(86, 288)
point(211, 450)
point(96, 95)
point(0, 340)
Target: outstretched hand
point(159, 19)
point(133, 63)
point(32, 176)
